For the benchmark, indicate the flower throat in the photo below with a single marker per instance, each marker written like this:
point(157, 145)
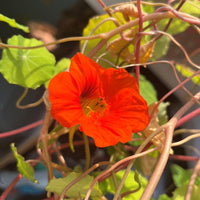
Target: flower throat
point(90, 106)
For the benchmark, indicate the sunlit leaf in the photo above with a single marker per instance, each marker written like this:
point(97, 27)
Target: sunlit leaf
point(82, 186)
point(187, 72)
point(28, 68)
point(105, 27)
point(129, 185)
point(23, 167)
point(13, 23)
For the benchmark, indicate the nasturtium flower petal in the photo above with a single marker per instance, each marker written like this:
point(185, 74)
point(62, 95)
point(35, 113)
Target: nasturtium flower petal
point(85, 71)
point(105, 102)
point(64, 95)
point(116, 80)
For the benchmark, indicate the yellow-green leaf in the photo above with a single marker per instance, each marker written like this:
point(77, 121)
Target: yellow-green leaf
point(27, 67)
point(23, 167)
point(187, 72)
point(13, 23)
point(81, 187)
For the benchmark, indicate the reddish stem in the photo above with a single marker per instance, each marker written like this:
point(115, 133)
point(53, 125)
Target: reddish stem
point(20, 130)
point(188, 117)
point(137, 52)
point(104, 6)
point(183, 158)
point(10, 187)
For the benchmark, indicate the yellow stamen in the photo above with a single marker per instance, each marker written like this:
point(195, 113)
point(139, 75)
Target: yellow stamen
point(93, 105)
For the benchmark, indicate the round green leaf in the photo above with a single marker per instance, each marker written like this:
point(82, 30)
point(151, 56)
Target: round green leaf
point(27, 67)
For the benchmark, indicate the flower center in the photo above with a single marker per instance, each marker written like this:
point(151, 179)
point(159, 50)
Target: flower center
point(90, 106)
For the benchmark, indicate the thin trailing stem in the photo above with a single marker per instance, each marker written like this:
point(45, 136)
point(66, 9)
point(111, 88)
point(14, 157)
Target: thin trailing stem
point(188, 138)
point(18, 103)
point(97, 26)
point(183, 158)
point(21, 130)
point(63, 40)
point(137, 52)
point(10, 187)
point(44, 138)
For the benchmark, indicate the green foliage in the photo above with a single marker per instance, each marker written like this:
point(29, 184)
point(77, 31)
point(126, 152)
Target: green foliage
point(179, 193)
point(161, 47)
point(13, 23)
point(162, 115)
point(182, 176)
point(81, 187)
point(181, 179)
point(133, 182)
point(164, 197)
point(147, 90)
point(105, 27)
point(178, 26)
point(23, 167)
point(187, 72)
point(29, 68)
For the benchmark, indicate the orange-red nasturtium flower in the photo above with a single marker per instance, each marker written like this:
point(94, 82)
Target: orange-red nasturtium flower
point(105, 102)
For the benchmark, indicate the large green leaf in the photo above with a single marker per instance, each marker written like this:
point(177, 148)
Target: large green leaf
point(130, 184)
point(105, 27)
point(81, 187)
point(23, 167)
point(28, 68)
point(13, 23)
